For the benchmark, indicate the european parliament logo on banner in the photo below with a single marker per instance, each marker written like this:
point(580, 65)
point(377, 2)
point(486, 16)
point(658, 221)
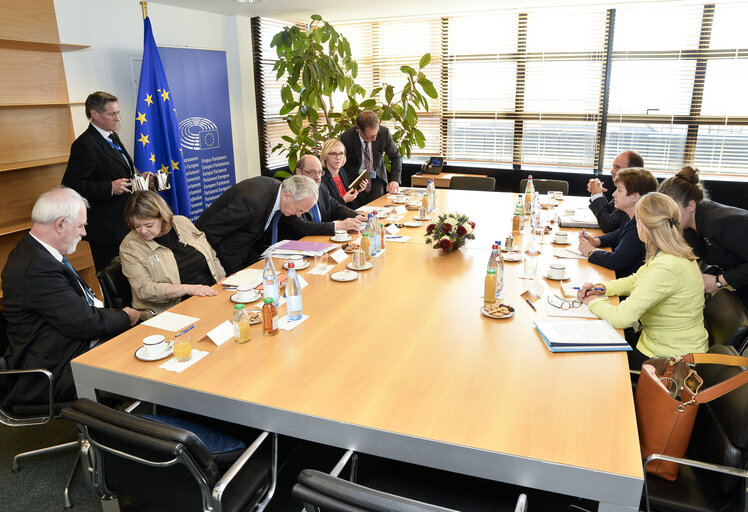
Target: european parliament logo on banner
point(157, 146)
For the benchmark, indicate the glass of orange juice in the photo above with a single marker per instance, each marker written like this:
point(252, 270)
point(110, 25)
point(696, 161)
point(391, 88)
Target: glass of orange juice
point(182, 347)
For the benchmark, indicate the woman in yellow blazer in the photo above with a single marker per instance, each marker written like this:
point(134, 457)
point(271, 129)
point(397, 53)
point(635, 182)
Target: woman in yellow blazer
point(164, 256)
point(666, 295)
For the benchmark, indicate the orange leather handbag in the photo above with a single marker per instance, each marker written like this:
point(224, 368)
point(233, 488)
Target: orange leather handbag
point(667, 397)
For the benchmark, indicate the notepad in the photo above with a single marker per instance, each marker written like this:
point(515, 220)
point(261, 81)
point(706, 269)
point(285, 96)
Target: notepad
point(584, 336)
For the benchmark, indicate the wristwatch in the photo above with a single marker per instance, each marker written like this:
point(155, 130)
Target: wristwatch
point(717, 282)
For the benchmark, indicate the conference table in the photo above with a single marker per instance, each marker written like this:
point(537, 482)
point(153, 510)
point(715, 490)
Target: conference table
point(401, 364)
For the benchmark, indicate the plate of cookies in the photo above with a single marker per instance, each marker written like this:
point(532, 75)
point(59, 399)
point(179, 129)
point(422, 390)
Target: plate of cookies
point(497, 311)
point(255, 316)
point(350, 247)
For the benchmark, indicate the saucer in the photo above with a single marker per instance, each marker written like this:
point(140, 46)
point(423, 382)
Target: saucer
point(568, 242)
point(512, 256)
point(344, 275)
point(547, 275)
point(485, 313)
point(418, 217)
point(515, 248)
point(140, 354)
point(413, 224)
point(402, 201)
point(301, 266)
point(368, 265)
point(256, 295)
point(347, 238)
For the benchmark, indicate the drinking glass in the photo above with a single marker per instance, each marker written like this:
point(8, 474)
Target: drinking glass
point(320, 261)
point(530, 265)
point(182, 347)
point(538, 232)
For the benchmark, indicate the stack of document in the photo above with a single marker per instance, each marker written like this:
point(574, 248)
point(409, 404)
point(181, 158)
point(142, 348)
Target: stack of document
point(298, 247)
point(582, 218)
point(584, 336)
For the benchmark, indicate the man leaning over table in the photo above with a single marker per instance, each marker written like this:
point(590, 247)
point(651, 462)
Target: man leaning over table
point(365, 146)
point(244, 220)
point(608, 216)
point(326, 215)
point(52, 315)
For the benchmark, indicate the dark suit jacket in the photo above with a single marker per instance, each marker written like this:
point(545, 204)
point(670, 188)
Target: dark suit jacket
point(721, 238)
point(92, 166)
point(49, 321)
point(383, 144)
point(329, 184)
point(608, 216)
point(628, 251)
point(294, 228)
point(235, 223)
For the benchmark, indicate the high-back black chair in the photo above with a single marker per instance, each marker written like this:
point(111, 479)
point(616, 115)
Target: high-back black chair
point(714, 473)
point(322, 492)
point(114, 285)
point(24, 415)
point(726, 320)
point(173, 463)
point(472, 183)
point(542, 186)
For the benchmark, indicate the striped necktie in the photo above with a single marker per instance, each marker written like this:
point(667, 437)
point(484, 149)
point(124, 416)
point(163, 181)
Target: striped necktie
point(315, 214)
point(86, 290)
point(367, 166)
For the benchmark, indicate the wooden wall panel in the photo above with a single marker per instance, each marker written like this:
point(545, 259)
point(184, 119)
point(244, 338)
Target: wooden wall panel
point(20, 189)
point(35, 133)
point(29, 20)
point(31, 77)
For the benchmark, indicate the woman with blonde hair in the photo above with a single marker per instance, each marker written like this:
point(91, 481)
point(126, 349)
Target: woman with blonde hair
point(332, 157)
point(164, 256)
point(666, 295)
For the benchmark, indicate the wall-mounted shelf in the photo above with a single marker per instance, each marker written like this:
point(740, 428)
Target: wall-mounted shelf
point(15, 226)
point(39, 46)
point(42, 104)
point(12, 166)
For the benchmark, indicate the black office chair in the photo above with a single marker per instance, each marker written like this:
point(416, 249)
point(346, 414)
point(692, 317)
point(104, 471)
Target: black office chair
point(171, 462)
point(542, 186)
point(24, 415)
point(714, 473)
point(322, 492)
point(114, 285)
point(472, 183)
point(726, 320)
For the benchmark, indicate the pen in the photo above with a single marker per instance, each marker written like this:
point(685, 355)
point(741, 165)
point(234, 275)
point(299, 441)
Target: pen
point(584, 235)
point(187, 329)
point(530, 304)
point(596, 289)
point(392, 236)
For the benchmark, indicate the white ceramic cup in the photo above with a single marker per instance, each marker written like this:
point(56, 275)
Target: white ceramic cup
point(558, 195)
point(557, 270)
point(561, 237)
point(400, 199)
point(154, 345)
point(244, 293)
point(340, 234)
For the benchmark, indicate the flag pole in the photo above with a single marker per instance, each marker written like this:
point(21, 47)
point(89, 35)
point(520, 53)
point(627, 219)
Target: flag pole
point(144, 6)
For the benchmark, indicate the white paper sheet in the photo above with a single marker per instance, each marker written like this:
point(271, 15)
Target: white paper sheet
point(175, 366)
point(170, 321)
point(286, 324)
point(249, 276)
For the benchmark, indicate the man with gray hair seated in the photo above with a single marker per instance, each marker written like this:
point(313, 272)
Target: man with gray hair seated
point(52, 314)
point(243, 221)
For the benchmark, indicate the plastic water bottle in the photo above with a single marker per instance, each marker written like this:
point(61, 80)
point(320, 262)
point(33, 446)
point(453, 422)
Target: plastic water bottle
point(492, 262)
point(270, 281)
point(293, 294)
point(377, 235)
point(431, 194)
point(499, 271)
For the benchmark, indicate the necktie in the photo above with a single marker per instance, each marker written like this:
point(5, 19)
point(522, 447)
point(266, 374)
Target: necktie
point(315, 214)
point(367, 166)
point(117, 144)
point(86, 290)
point(274, 227)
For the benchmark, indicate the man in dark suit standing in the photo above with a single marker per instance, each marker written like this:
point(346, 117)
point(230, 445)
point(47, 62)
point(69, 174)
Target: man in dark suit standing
point(100, 169)
point(324, 217)
point(365, 145)
point(243, 221)
point(52, 314)
point(608, 216)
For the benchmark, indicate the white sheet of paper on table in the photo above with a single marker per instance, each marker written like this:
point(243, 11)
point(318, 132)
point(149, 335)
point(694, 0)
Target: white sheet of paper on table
point(401, 210)
point(170, 321)
point(175, 366)
point(286, 324)
point(392, 229)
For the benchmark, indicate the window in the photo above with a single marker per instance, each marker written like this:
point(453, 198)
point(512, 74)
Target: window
point(571, 88)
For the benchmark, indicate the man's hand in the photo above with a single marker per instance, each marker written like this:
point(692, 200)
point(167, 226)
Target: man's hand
point(595, 186)
point(710, 283)
point(134, 315)
point(120, 186)
point(393, 187)
point(348, 224)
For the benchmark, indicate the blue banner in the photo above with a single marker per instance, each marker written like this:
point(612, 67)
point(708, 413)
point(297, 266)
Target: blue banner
point(199, 78)
point(157, 146)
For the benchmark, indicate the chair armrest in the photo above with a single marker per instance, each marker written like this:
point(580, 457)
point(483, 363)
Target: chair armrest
point(221, 486)
point(728, 470)
point(10, 420)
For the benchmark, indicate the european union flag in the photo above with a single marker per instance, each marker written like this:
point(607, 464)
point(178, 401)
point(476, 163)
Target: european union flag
point(157, 146)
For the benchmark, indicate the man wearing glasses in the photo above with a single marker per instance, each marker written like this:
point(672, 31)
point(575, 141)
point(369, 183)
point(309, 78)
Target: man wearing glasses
point(365, 145)
point(605, 210)
point(326, 216)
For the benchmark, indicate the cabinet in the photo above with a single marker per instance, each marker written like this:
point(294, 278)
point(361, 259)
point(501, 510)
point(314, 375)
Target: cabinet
point(36, 127)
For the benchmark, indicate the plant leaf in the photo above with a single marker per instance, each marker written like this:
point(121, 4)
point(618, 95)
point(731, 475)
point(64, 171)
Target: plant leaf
point(389, 92)
point(425, 60)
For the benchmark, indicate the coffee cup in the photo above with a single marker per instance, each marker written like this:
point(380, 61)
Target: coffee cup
point(340, 235)
point(244, 293)
point(154, 345)
point(557, 271)
point(400, 198)
point(561, 237)
point(558, 195)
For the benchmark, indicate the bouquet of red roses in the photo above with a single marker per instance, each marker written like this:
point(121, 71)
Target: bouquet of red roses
point(450, 232)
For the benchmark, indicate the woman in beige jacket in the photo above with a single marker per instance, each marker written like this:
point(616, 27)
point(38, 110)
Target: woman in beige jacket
point(164, 256)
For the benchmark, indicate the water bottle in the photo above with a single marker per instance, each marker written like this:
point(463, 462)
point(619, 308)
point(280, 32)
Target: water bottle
point(492, 264)
point(377, 236)
point(431, 194)
point(499, 272)
point(293, 294)
point(270, 281)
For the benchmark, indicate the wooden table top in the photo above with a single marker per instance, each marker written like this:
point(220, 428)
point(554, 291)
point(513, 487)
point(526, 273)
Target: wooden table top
point(404, 349)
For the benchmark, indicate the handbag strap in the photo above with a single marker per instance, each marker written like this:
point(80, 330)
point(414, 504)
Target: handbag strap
point(724, 387)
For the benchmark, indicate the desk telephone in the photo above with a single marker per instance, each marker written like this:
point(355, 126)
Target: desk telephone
point(434, 165)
